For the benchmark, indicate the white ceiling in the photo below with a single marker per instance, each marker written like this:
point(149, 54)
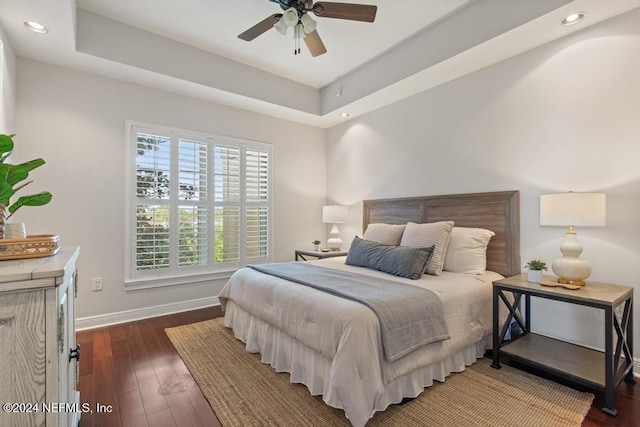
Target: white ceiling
point(213, 25)
point(191, 47)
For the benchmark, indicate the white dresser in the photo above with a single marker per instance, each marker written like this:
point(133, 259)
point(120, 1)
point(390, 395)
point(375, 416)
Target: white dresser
point(38, 353)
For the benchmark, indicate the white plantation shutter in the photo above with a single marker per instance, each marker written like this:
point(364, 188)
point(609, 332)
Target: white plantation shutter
point(198, 204)
point(226, 162)
point(192, 210)
point(192, 229)
point(227, 234)
point(257, 176)
point(153, 166)
point(152, 245)
point(257, 201)
point(257, 234)
point(227, 191)
point(152, 208)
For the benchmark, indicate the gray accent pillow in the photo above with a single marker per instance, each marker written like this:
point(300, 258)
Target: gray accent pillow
point(400, 261)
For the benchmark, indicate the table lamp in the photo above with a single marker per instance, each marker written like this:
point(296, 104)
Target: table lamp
point(334, 215)
point(572, 210)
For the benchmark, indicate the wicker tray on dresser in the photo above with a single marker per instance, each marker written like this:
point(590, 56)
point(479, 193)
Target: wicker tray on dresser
point(36, 246)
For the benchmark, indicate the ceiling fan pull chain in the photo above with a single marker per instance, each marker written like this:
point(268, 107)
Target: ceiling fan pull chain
point(296, 37)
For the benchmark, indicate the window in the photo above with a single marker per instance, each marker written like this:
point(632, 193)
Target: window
point(198, 205)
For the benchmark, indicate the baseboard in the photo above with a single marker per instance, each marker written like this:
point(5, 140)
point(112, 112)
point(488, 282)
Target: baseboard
point(108, 319)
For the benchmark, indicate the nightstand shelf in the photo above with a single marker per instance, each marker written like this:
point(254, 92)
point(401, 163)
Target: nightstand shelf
point(596, 369)
point(573, 362)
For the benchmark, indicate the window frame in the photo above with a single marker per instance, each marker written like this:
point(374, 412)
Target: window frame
point(174, 274)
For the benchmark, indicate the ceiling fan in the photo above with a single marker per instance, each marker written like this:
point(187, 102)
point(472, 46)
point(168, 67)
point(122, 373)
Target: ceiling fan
point(295, 15)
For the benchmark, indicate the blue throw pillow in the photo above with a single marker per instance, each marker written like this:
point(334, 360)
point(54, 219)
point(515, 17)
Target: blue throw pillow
point(403, 261)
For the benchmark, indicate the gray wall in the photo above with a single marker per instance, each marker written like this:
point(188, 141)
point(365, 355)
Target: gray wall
point(562, 117)
point(76, 122)
point(7, 85)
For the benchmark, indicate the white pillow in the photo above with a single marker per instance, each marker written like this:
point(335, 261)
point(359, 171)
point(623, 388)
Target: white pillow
point(429, 234)
point(387, 234)
point(467, 251)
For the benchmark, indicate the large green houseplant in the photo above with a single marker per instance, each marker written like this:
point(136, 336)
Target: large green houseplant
point(11, 177)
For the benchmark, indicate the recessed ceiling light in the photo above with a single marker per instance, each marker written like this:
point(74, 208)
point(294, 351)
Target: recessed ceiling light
point(35, 27)
point(574, 18)
point(344, 114)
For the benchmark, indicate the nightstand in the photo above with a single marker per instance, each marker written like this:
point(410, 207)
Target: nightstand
point(301, 254)
point(579, 364)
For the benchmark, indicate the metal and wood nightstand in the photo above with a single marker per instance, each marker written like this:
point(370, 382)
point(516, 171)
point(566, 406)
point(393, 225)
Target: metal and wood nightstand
point(301, 254)
point(573, 362)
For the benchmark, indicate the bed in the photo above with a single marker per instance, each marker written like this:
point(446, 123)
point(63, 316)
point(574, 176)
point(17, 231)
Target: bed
point(333, 345)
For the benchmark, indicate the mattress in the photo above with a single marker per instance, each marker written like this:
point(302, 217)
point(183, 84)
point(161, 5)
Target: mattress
point(333, 346)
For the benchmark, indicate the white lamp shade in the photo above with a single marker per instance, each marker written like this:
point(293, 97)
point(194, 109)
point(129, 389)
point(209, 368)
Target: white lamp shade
point(281, 27)
point(308, 23)
point(290, 16)
point(574, 209)
point(334, 214)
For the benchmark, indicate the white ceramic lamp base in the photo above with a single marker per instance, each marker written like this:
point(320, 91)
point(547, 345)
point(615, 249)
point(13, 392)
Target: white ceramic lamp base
point(334, 243)
point(570, 268)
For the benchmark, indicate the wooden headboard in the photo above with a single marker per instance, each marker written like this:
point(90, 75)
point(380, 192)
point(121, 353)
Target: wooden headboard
point(495, 211)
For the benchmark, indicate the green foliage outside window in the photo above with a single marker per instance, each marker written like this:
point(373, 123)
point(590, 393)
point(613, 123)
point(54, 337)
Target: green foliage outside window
point(194, 232)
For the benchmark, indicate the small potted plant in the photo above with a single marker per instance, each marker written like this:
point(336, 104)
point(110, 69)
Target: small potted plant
point(11, 181)
point(316, 245)
point(535, 268)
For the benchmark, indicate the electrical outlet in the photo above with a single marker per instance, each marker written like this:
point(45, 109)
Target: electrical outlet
point(97, 284)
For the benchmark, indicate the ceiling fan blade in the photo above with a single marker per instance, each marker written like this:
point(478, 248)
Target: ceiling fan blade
point(314, 44)
point(261, 27)
point(354, 12)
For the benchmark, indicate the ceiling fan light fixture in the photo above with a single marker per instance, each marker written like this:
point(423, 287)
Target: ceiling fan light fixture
point(308, 23)
point(297, 14)
point(290, 17)
point(281, 27)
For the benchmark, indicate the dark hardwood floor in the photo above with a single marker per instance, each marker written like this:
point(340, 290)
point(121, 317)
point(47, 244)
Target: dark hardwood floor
point(134, 368)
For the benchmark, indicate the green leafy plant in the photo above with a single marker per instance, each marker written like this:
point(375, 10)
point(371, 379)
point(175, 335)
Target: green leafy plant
point(316, 242)
point(11, 177)
point(536, 264)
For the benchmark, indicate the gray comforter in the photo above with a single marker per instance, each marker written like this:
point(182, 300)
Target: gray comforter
point(410, 317)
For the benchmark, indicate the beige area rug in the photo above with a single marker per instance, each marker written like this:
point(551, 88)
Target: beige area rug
point(245, 392)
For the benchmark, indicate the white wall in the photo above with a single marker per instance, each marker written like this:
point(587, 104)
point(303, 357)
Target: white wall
point(565, 116)
point(76, 122)
point(7, 85)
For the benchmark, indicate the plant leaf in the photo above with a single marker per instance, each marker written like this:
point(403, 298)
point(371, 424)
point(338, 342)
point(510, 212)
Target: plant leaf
point(21, 186)
point(16, 174)
point(31, 165)
point(31, 200)
point(20, 172)
point(6, 145)
point(4, 171)
point(5, 192)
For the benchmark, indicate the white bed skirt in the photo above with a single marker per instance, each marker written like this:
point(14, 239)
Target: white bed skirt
point(308, 367)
